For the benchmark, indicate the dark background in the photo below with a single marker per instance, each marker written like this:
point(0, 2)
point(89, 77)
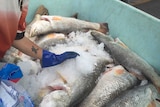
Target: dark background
point(149, 6)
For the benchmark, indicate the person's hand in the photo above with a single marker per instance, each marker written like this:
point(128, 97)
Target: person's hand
point(51, 59)
point(10, 72)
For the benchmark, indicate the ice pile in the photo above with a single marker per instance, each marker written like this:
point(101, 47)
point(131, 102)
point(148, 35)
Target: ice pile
point(39, 82)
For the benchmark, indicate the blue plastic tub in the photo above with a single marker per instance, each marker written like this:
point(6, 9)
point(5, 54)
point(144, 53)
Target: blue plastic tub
point(137, 29)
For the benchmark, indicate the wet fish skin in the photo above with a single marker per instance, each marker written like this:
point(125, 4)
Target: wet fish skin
point(81, 88)
point(48, 24)
point(127, 58)
point(109, 86)
point(141, 96)
point(50, 40)
point(59, 101)
point(38, 17)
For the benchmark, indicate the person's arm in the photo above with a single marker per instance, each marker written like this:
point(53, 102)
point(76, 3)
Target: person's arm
point(28, 47)
point(47, 58)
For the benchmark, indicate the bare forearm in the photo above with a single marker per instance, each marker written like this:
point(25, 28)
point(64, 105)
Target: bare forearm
point(28, 47)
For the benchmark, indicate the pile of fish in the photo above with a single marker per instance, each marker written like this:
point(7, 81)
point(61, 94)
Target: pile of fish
point(73, 79)
point(106, 74)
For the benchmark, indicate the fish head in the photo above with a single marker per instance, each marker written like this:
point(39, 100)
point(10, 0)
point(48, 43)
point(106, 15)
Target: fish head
point(29, 26)
point(101, 37)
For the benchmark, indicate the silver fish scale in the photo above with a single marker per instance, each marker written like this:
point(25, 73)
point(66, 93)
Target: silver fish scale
point(140, 96)
point(110, 93)
point(85, 84)
point(108, 87)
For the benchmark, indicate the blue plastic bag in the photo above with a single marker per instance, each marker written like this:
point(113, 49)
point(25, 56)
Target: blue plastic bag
point(13, 95)
point(10, 72)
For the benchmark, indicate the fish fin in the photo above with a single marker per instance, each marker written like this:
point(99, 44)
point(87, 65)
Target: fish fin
point(117, 40)
point(104, 28)
point(75, 16)
point(42, 10)
point(63, 79)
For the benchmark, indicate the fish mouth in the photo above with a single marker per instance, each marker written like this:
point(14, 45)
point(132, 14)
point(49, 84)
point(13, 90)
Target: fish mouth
point(48, 89)
point(57, 87)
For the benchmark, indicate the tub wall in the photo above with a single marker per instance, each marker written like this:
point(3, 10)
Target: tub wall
point(138, 30)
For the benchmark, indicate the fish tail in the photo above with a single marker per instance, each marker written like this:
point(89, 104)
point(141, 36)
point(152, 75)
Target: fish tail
point(104, 28)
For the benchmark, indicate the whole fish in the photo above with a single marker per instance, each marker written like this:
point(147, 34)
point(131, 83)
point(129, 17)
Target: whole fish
point(141, 96)
point(113, 82)
point(44, 24)
point(38, 17)
point(70, 97)
point(127, 58)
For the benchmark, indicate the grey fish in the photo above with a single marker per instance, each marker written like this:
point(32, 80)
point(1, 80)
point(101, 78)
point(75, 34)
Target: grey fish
point(109, 86)
point(79, 90)
point(141, 96)
point(128, 59)
point(44, 24)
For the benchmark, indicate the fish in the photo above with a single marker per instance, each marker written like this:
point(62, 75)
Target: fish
point(42, 10)
point(112, 83)
point(68, 83)
point(128, 59)
point(42, 25)
point(140, 96)
point(50, 40)
point(70, 97)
